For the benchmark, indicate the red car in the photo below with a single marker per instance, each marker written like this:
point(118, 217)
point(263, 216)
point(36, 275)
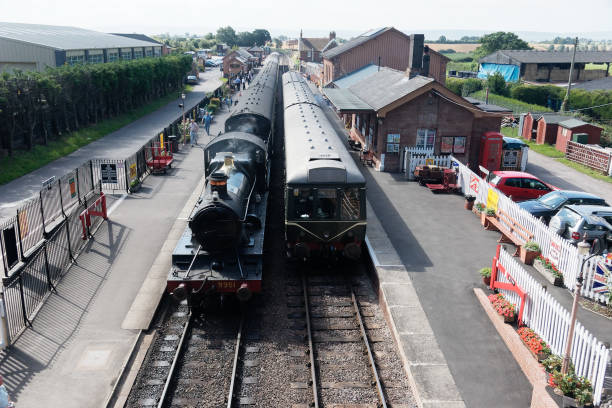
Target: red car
point(519, 186)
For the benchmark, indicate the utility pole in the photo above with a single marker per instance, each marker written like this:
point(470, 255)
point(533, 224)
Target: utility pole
point(569, 82)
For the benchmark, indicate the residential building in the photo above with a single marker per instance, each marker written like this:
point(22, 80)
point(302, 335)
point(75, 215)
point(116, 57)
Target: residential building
point(544, 66)
point(290, 45)
point(311, 48)
point(387, 47)
point(34, 47)
point(390, 110)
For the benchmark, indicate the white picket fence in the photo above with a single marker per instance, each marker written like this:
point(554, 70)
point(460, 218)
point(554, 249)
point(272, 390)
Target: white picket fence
point(416, 156)
point(551, 321)
point(559, 250)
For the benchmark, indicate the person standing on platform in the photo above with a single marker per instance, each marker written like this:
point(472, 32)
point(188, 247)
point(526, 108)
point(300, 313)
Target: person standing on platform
point(193, 132)
point(243, 84)
point(207, 121)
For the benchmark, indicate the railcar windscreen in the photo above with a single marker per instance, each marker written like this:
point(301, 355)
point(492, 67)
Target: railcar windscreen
point(350, 210)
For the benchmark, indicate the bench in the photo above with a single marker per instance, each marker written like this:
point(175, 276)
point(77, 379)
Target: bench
point(512, 232)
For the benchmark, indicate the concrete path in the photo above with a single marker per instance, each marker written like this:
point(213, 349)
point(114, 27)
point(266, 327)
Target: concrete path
point(117, 145)
point(564, 177)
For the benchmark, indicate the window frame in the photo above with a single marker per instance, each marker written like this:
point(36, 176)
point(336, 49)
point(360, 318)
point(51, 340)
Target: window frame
point(425, 133)
point(393, 142)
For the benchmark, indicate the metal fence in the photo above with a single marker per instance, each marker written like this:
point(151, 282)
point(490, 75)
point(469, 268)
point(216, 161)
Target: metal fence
point(543, 314)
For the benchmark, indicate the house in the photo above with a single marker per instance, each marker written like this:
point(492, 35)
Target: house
point(35, 47)
point(544, 66)
point(290, 45)
point(391, 110)
point(385, 47)
point(235, 62)
point(569, 130)
point(222, 49)
point(311, 48)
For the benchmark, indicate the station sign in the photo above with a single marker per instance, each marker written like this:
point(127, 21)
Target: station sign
point(108, 173)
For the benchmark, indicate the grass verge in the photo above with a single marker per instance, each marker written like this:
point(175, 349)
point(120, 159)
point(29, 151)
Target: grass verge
point(586, 170)
point(24, 162)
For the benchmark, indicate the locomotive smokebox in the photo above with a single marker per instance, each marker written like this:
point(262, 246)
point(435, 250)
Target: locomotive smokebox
point(216, 227)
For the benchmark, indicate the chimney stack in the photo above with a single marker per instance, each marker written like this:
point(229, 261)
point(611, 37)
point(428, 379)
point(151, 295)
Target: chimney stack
point(415, 59)
point(425, 68)
point(332, 35)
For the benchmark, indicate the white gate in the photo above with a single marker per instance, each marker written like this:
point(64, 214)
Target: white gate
point(417, 156)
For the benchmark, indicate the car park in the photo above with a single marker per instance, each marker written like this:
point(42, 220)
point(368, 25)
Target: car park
point(588, 222)
point(546, 206)
point(518, 185)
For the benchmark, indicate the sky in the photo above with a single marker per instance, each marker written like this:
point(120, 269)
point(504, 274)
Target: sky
point(318, 17)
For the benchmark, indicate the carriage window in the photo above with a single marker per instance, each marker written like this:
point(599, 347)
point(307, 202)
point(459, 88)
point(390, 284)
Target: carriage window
point(350, 204)
point(327, 203)
point(303, 203)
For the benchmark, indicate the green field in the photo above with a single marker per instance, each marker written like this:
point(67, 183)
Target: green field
point(454, 56)
point(24, 162)
point(598, 66)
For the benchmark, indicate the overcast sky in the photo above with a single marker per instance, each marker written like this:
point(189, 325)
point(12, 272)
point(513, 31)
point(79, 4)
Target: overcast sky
point(315, 17)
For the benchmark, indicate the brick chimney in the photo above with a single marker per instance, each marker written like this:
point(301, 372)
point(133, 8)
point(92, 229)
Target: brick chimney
point(415, 59)
point(332, 35)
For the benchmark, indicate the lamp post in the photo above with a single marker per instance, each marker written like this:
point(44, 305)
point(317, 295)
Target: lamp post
point(583, 249)
point(183, 105)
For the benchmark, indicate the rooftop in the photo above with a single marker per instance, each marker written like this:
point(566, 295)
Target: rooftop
point(604, 84)
point(346, 101)
point(487, 107)
point(317, 44)
point(356, 76)
point(517, 57)
point(67, 38)
point(360, 39)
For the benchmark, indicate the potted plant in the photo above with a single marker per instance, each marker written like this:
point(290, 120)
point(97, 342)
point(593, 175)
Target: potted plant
point(489, 213)
point(577, 391)
point(135, 185)
point(548, 270)
point(534, 343)
point(478, 208)
point(503, 307)
point(486, 275)
point(469, 202)
point(529, 252)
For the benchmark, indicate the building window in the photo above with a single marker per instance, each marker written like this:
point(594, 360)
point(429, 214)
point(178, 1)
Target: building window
point(157, 51)
point(138, 54)
point(75, 59)
point(149, 53)
point(126, 56)
point(426, 138)
point(393, 140)
point(453, 144)
point(113, 56)
point(95, 59)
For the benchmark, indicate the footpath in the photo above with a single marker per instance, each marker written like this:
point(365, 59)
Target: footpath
point(72, 355)
point(116, 145)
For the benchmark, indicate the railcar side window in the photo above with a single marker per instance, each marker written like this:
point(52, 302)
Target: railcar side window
point(327, 203)
point(350, 204)
point(303, 203)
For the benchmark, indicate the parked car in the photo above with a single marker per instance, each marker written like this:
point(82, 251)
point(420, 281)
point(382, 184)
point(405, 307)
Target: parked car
point(519, 186)
point(192, 79)
point(549, 204)
point(589, 222)
point(210, 63)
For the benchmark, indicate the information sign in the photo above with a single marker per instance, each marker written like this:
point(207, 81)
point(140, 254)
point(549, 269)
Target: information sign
point(108, 173)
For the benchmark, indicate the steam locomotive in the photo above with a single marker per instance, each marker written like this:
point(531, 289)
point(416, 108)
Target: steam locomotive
point(325, 192)
point(220, 251)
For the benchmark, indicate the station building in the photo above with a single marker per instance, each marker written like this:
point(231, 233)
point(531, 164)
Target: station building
point(34, 47)
point(389, 110)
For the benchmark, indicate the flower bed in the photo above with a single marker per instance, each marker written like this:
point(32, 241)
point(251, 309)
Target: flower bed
point(534, 343)
point(548, 270)
point(570, 385)
point(503, 307)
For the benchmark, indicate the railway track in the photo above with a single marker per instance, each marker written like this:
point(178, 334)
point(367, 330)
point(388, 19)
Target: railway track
point(194, 361)
point(349, 359)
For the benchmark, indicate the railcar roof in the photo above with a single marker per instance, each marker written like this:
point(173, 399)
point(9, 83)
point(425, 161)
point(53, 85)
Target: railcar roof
point(314, 152)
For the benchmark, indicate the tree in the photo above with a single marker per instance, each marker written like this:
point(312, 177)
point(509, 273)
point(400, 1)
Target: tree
point(442, 39)
point(209, 36)
point(227, 35)
point(245, 39)
point(278, 43)
point(261, 36)
point(499, 41)
point(497, 84)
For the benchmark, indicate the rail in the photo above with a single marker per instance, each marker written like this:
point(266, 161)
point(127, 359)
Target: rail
point(230, 395)
point(179, 350)
point(313, 372)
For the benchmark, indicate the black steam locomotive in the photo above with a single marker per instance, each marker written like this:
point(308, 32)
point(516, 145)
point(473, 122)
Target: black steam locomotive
point(220, 252)
point(325, 193)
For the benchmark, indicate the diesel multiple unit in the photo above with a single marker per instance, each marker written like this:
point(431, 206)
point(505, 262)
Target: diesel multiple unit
point(325, 195)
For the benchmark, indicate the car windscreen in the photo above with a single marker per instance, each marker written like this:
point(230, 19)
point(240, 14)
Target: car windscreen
point(552, 200)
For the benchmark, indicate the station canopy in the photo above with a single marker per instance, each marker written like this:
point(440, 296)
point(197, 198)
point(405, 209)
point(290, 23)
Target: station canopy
point(346, 101)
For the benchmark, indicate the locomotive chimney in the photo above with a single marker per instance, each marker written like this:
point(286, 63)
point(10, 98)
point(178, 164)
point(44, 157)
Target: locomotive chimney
point(218, 183)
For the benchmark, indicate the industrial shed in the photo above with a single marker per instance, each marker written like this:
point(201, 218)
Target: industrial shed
point(34, 47)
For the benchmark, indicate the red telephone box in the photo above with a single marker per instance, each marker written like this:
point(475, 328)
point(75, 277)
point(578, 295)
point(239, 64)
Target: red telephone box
point(491, 150)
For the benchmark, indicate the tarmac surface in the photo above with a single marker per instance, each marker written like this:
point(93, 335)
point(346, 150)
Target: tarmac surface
point(117, 145)
point(72, 355)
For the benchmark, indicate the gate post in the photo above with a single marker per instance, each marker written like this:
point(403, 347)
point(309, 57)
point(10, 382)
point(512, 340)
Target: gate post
point(19, 236)
point(127, 177)
point(5, 335)
point(49, 283)
point(26, 321)
point(68, 238)
point(42, 212)
point(78, 185)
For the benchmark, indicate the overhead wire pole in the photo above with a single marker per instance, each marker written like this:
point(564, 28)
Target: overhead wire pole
point(569, 81)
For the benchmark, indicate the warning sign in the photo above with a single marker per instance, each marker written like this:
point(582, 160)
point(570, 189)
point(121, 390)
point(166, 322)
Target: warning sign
point(492, 199)
point(72, 185)
point(555, 252)
point(429, 162)
point(108, 173)
point(132, 171)
point(474, 183)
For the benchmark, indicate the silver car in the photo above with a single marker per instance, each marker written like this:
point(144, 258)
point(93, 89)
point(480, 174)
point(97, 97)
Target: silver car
point(589, 222)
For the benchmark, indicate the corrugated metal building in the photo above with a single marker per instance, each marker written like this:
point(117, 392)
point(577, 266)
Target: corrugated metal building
point(34, 47)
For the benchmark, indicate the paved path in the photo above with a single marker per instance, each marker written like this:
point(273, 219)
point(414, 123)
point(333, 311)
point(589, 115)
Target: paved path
point(564, 177)
point(117, 145)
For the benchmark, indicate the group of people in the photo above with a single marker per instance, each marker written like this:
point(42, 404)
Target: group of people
point(193, 127)
point(241, 81)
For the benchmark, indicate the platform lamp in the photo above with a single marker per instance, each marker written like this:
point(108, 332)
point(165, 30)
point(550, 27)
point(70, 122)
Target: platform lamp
point(587, 251)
